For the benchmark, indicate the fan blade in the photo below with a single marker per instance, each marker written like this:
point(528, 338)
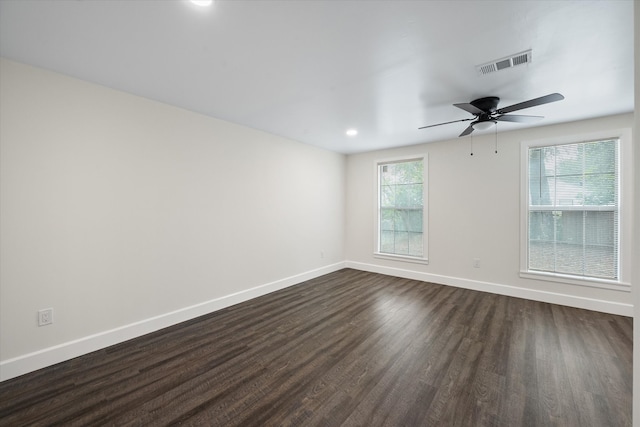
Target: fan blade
point(445, 123)
point(469, 108)
point(518, 118)
point(467, 131)
point(531, 103)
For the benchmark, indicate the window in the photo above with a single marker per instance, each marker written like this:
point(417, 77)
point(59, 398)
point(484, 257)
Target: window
point(573, 210)
point(401, 231)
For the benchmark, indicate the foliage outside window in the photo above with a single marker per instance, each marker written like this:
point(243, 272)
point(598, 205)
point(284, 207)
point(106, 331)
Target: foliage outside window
point(401, 218)
point(573, 209)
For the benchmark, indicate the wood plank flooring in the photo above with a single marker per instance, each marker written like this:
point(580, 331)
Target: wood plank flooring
point(350, 349)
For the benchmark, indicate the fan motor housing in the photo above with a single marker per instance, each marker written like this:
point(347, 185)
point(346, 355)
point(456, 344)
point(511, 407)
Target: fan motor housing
point(488, 104)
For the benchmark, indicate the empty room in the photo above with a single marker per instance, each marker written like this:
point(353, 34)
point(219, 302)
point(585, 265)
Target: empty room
point(319, 213)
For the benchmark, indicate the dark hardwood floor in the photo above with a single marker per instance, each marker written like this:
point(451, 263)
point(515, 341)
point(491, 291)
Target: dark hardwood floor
point(350, 349)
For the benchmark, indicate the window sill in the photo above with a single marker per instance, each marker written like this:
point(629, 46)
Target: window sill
point(403, 258)
point(578, 281)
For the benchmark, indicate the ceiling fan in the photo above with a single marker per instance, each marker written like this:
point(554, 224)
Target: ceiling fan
point(486, 112)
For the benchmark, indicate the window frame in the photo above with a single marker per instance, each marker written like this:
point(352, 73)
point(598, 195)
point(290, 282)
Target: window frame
point(424, 259)
point(624, 213)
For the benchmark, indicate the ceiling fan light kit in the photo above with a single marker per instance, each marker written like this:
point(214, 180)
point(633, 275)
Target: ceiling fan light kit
point(483, 125)
point(487, 113)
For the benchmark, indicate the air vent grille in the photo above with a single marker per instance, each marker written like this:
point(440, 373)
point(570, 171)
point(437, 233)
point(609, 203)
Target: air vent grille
point(489, 68)
point(504, 63)
point(521, 59)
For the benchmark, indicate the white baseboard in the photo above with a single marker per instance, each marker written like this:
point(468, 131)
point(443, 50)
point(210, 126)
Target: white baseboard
point(20, 365)
point(494, 288)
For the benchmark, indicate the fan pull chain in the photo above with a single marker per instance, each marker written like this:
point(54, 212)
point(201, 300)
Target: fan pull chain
point(496, 126)
point(471, 144)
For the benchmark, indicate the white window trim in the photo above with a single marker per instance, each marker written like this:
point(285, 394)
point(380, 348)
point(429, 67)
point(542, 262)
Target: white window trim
point(424, 259)
point(624, 209)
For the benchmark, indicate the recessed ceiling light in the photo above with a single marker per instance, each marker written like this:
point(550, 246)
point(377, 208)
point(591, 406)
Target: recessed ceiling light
point(352, 132)
point(202, 2)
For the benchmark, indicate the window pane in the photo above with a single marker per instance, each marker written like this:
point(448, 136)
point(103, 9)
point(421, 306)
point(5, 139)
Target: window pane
point(569, 159)
point(414, 220)
point(600, 228)
point(387, 195)
point(569, 259)
point(387, 176)
point(409, 195)
point(600, 157)
point(600, 261)
point(386, 242)
point(569, 242)
point(601, 255)
point(535, 182)
point(600, 189)
point(542, 181)
point(415, 244)
point(541, 241)
point(401, 200)
point(580, 242)
point(569, 191)
point(400, 221)
point(401, 244)
point(549, 161)
point(569, 227)
point(386, 219)
point(547, 191)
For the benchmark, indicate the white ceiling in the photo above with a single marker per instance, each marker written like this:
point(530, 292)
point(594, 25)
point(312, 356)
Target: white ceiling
point(309, 70)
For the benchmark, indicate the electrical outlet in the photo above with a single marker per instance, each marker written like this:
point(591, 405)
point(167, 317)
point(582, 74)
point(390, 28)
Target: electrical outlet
point(45, 317)
point(476, 263)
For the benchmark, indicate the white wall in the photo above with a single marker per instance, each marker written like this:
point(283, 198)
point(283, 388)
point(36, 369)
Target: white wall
point(125, 215)
point(474, 212)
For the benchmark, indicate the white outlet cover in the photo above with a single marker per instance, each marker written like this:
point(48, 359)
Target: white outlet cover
point(45, 317)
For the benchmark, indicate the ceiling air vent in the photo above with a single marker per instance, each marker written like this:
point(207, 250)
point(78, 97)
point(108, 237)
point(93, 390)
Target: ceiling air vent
point(504, 63)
